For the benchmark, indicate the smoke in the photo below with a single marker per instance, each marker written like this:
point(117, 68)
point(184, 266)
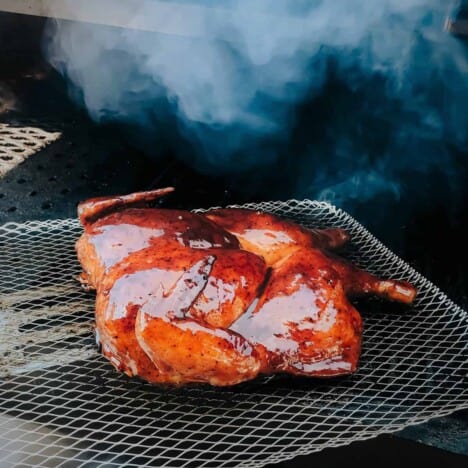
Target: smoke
point(350, 98)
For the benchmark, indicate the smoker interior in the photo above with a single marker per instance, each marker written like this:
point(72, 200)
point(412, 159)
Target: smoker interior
point(52, 156)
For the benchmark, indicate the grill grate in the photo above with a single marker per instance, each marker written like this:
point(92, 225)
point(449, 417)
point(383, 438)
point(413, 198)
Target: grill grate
point(64, 405)
point(17, 143)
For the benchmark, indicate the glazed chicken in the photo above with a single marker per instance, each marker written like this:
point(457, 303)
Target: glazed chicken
point(223, 296)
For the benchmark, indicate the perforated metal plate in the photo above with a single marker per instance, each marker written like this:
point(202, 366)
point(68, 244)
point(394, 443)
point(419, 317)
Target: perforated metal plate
point(63, 404)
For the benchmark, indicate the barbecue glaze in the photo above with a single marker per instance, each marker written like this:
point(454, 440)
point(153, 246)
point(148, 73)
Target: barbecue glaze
point(221, 297)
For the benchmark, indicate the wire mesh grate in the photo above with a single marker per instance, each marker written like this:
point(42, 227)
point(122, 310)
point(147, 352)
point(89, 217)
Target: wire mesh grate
point(19, 141)
point(62, 404)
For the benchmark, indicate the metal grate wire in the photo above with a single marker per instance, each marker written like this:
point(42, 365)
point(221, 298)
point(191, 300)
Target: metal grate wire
point(62, 404)
point(18, 141)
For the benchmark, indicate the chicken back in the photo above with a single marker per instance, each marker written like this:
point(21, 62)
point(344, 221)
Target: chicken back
point(223, 296)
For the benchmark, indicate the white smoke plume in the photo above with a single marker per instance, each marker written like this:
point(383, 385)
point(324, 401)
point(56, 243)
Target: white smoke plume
point(230, 75)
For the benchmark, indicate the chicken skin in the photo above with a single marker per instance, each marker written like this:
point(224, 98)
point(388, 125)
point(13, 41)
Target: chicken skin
point(223, 296)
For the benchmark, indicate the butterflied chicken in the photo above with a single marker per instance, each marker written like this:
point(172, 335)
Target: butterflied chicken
point(221, 297)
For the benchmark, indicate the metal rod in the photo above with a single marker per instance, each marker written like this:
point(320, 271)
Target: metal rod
point(162, 17)
point(457, 27)
point(180, 19)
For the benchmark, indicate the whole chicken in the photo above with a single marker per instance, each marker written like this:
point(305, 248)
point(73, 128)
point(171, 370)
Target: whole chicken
point(223, 296)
